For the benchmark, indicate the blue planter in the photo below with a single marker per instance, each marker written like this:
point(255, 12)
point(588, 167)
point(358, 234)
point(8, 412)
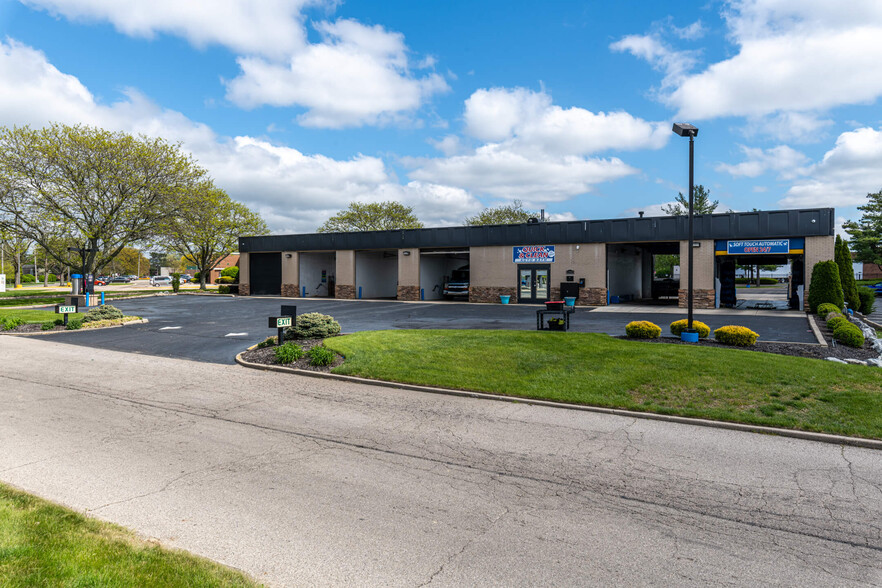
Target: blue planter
point(570, 300)
point(689, 337)
point(504, 298)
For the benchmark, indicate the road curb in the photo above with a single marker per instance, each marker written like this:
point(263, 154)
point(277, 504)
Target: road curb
point(791, 433)
point(816, 331)
point(142, 321)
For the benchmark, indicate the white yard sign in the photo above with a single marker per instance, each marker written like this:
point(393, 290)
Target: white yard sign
point(2, 282)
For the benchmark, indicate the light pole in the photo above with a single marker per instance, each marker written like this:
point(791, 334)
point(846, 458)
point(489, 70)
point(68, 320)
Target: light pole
point(687, 130)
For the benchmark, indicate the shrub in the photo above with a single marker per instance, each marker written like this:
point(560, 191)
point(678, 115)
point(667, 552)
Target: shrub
point(677, 328)
point(223, 289)
point(868, 299)
point(102, 313)
point(225, 280)
point(8, 323)
point(835, 321)
point(825, 286)
point(52, 278)
point(735, 335)
point(849, 334)
point(197, 276)
point(231, 272)
point(288, 353)
point(321, 355)
point(268, 342)
point(59, 322)
point(846, 274)
point(47, 326)
point(642, 330)
point(751, 281)
point(827, 308)
point(74, 324)
point(312, 325)
point(194, 280)
point(176, 282)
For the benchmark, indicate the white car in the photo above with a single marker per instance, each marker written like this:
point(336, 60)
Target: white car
point(160, 281)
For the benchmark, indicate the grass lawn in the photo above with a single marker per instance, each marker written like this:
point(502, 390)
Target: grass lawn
point(35, 315)
point(42, 544)
point(587, 368)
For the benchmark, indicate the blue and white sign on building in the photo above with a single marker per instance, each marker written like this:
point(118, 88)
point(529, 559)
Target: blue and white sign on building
point(533, 254)
point(765, 247)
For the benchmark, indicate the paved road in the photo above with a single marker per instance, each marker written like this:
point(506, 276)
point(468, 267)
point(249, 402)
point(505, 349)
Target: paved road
point(302, 481)
point(215, 329)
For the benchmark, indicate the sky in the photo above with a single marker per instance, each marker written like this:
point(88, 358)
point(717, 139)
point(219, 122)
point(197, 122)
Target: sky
point(299, 107)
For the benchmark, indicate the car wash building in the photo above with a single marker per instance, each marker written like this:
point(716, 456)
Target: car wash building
point(596, 261)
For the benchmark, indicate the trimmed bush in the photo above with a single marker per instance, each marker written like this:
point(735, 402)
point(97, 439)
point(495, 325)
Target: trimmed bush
point(8, 323)
point(224, 280)
point(643, 330)
point(849, 334)
point(321, 355)
point(827, 308)
point(176, 282)
point(735, 335)
point(288, 353)
point(102, 313)
point(832, 315)
point(74, 324)
point(223, 289)
point(825, 286)
point(28, 279)
point(59, 322)
point(868, 299)
point(313, 325)
point(268, 342)
point(751, 281)
point(846, 274)
point(835, 321)
point(231, 272)
point(677, 328)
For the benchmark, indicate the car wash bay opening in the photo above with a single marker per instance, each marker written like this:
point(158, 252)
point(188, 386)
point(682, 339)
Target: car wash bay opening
point(598, 262)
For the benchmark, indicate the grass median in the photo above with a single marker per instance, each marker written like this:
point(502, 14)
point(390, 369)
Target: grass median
point(43, 544)
point(586, 368)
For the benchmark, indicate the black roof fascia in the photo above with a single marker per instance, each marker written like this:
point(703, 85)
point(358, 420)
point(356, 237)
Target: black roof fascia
point(763, 224)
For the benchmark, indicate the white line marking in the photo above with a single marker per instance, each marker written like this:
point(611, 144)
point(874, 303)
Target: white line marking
point(235, 334)
point(169, 328)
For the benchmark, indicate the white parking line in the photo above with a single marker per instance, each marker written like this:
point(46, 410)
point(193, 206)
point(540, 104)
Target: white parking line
point(235, 334)
point(169, 328)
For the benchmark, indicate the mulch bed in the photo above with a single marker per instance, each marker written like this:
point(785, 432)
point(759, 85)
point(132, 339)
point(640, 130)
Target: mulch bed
point(793, 349)
point(267, 356)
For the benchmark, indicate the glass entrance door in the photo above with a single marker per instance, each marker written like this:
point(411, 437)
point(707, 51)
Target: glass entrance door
point(533, 283)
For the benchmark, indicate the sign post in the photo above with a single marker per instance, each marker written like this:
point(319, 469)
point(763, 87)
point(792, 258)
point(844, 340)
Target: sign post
point(65, 310)
point(280, 322)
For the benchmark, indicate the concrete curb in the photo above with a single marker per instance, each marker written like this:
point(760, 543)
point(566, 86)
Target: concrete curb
point(873, 324)
point(142, 321)
point(792, 433)
point(816, 331)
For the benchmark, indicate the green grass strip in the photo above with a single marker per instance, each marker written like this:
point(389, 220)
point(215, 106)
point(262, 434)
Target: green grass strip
point(43, 544)
point(35, 315)
point(586, 368)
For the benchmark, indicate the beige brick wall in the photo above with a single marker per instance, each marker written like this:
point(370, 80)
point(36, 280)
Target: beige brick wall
point(346, 267)
point(817, 249)
point(492, 266)
point(290, 267)
point(409, 268)
point(244, 268)
point(703, 262)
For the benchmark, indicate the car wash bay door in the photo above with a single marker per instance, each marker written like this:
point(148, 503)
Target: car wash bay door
point(533, 281)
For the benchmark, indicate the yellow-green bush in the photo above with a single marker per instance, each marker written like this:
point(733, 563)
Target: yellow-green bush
point(827, 308)
point(735, 335)
point(642, 330)
point(835, 321)
point(677, 328)
point(849, 334)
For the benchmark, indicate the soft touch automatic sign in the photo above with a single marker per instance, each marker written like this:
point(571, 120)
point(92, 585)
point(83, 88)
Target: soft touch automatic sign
point(765, 247)
point(533, 254)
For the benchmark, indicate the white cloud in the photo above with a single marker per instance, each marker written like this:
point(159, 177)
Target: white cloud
point(690, 32)
point(787, 162)
point(845, 175)
point(660, 56)
point(358, 75)
point(268, 27)
point(794, 56)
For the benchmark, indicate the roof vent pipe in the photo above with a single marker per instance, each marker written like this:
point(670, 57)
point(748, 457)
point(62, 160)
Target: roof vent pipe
point(640, 213)
point(542, 215)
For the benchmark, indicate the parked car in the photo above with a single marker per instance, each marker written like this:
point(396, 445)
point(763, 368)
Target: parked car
point(160, 281)
point(100, 281)
point(877, 287)
point(457, 286)
point(119, 280)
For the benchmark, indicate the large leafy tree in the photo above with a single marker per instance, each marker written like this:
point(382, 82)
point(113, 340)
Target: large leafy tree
point(866, 234)
point(14, 248)
point(842, 257)
point(207, 228)
point(502, 215)
point(372, 216)
point(99, 189)
point(701, 203)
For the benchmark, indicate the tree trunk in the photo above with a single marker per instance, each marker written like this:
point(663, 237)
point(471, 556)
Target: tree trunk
point(17, 269)
point(757, 276)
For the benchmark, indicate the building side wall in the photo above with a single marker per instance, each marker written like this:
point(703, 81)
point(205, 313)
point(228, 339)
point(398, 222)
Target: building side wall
point(703, 258)
point(409, 267)
point(244, 274)
point(816, 249)
point(290, 273)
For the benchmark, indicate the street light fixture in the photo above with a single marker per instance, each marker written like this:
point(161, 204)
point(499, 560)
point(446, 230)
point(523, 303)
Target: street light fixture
point(687, 130)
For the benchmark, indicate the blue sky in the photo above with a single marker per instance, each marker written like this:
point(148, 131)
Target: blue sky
point(299, 107)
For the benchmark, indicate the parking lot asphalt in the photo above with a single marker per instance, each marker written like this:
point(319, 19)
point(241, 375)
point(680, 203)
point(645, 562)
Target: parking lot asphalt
point(215, 329)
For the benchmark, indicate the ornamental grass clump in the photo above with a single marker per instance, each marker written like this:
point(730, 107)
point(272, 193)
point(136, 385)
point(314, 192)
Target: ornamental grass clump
point(735, 335)
point(102, 313)
point(849, 334)
point(288, 353)
point(678, 327)
point(313, 325)
point(642, 330)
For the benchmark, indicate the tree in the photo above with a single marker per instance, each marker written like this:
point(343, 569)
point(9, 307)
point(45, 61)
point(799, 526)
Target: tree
point(130, 261)
point(99, 189)
point(372, 216)
point(16, 246)
point(846, 274)
point(866, 234)
point(502, 215)
point(664, 265)
point(825, 286)
point(208, 227)
point(701, 203)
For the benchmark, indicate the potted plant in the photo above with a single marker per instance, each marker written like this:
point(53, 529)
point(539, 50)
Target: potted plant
point(556, 324)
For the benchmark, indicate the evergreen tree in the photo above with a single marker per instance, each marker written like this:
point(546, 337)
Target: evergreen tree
point(846, 274)
point(701, 203)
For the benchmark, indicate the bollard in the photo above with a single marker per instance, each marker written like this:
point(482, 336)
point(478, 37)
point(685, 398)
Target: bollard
point(102, 299)
point(87, 300)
